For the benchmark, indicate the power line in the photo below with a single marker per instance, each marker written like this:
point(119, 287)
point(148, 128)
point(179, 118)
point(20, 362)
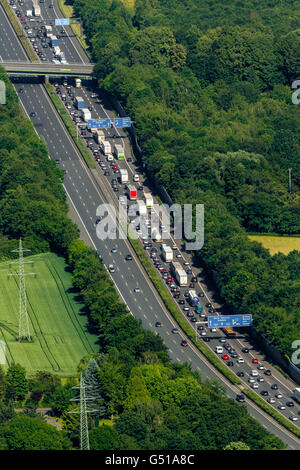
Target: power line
point(24, 332)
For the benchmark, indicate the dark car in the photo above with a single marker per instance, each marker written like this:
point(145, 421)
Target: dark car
point(33, 114)
point(289, 403)
point(240, 373)
point(208, 304)
point(230, 363)
point(267, 372)
point(175, 331)
point(158, 324)
point(206, 339)
point(128, 257)
point(193, 279)
point(201, 294)
point(245, 350)
point(274, 387)
point(264, 393)
point(189, 271)
point(240, 398)
point(181, 302)
point(184, 343)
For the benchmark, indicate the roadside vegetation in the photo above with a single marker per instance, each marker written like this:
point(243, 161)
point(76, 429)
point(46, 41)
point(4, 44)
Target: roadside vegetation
point(208, 86)
point(149, 402)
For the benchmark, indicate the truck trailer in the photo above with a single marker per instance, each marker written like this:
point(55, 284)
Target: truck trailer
point(149, 199)
point(85, 114)
point(194, 299)
point(296, 394)
point(119, 152)
point(142, 207)
point(167, 253)
point(132, 192)
point(179, 273)
point(79, 102)
point(124, 175)
point(105, 147)
point(54, 41)
point(99, 136)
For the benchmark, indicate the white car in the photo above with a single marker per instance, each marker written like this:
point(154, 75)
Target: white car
point(251, 380)
point(240, 360)
point(213, 330)
point(111, 268)
point(255, 385)
point(137, 289)
point(293, 418)
point(271, 400)
point(219, 350)
point(254, 373)
point(203, 333)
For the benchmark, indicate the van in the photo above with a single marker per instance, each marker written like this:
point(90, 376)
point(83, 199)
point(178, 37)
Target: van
point(219, 349)
point(254, 373)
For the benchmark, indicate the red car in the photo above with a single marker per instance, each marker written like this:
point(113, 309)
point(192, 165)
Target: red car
point(115, 167)
point(225, 357)
point(42, 27)
point(255, 361)
point(163, 270)
point(23, 19)
point(170, 278)
point(184, 343)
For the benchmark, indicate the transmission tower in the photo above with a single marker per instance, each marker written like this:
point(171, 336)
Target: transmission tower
point(24, 332)
point(84, 409)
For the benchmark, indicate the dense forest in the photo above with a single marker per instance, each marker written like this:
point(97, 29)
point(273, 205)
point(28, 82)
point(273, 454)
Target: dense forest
point(146, 401)
point(208, 85)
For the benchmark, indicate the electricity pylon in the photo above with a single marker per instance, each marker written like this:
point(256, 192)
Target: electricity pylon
point(84, 409)
point(24, 331)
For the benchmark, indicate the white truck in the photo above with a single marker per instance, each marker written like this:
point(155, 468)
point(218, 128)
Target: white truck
point(167, 253)
point(155, 235)
point(48, 31)
point(119, 152)
point(141, 207)
point(99, 136)
point(179, 273)
point(149, 199)
point(194, 299)
point(105, 147)
point(36, 8)
point(85, 114)
point(28, 13)
point(124, 175)
point(296, 395)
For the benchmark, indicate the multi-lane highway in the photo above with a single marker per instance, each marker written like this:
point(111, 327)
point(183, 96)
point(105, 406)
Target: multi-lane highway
point(86, 190)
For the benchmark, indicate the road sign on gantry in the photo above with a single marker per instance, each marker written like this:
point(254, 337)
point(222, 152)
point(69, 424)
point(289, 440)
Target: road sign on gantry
point(62, 21)
point(221, 321)
point(122, 122)
point(99, 123)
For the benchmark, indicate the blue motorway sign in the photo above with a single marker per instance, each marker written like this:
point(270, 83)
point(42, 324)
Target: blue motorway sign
point(229, 320)
point(99, 123)
point(62, 21)
point(122, 122)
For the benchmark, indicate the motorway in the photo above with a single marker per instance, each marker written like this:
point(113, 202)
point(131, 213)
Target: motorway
point(86, 190)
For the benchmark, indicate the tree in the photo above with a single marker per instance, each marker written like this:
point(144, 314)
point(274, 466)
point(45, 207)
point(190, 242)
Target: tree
point(25, 433)
point(17, 384)
point(237, 446)
point(104, 438)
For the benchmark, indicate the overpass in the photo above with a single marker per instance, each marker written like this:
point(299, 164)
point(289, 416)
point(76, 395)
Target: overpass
point(27, 68)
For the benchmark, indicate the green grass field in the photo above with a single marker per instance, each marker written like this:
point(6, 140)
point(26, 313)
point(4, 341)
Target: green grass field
point(277, 244)
point(58, 327)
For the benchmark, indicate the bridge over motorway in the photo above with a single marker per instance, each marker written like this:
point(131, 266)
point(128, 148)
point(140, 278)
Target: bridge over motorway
point(27, 68)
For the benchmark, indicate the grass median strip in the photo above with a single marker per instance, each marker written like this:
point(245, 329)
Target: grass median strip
point(190, 332)
point(19, 32)
point(69, 125)
point(271, 411)
point(202, 348)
